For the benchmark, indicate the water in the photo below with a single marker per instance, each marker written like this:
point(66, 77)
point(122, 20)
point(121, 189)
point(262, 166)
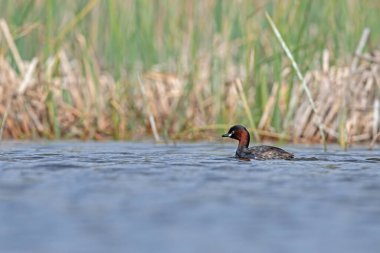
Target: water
point(141, 197)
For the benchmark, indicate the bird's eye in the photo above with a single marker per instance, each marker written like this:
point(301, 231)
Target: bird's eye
point(232, 132)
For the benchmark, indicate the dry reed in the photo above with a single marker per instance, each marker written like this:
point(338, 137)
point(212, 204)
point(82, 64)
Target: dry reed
point(347, 99)
point(66, 97)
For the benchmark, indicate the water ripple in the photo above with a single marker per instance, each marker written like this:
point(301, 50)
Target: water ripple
point(145, 197)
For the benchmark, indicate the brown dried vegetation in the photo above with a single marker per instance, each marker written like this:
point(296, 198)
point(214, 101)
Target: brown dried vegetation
point(70, 98)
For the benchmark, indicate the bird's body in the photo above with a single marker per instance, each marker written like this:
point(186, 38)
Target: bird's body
point(262, 152)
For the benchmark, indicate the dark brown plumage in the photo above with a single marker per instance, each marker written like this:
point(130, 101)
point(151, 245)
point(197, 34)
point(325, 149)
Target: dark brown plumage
point(262, 152)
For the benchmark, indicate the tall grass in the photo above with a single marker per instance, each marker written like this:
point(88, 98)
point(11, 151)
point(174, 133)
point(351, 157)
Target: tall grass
point(205, 44)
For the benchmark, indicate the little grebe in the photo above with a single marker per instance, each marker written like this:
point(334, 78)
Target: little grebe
point(263, 152)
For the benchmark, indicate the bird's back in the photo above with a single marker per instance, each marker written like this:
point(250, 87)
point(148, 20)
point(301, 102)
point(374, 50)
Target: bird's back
point(264, 152)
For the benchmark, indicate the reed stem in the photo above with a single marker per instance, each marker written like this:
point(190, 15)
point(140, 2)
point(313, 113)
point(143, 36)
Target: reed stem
point(300, 77)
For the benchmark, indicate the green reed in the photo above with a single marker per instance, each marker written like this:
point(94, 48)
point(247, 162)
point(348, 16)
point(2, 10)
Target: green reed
point(131, 37)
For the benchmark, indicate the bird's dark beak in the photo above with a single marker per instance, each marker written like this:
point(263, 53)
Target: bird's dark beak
point(226, 135)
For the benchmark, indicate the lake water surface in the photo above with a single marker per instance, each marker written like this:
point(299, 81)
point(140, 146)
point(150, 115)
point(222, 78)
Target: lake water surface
point(144, 197)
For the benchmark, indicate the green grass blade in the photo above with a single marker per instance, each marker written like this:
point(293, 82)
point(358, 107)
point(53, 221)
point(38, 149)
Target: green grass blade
point(300, 77)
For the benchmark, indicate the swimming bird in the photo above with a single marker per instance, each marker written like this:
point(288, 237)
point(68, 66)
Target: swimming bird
point(262, 152)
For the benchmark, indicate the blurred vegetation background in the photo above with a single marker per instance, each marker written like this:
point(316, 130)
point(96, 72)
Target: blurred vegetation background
point(131, 68)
